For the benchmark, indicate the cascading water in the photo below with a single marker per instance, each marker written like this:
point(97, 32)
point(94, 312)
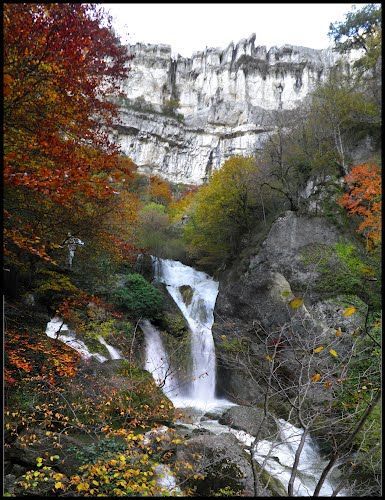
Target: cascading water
point(157, 361)
point(200, 318)
point(277, 457)
point(56, 328)
point(199, 392)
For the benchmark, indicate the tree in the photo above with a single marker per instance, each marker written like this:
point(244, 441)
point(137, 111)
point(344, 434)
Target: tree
point(323, 379)
point(364, 200)
point(222, 211)
point(361, 31)
point(58, 60)
point(160, 190)
point(357, 29)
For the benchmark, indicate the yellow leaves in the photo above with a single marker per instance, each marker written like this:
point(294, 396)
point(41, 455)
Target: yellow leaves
point(316, 377)
point(333, 353)
point(296, 303)
point(338, 332)
point(59, 485)
point(39, 462)
point(83, 487)
point(349, 311)
point(318, 349)
point(269, 358)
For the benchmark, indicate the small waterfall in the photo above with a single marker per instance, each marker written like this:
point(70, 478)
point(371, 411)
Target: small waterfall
point(114, 353)
point(57, 325)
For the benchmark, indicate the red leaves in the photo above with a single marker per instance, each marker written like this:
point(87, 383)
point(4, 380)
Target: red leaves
point(28, 355)
point(364, 200)
point(58, 60)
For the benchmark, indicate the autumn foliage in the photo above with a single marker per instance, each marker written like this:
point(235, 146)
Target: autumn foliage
point(59, 59)
point(363, 199)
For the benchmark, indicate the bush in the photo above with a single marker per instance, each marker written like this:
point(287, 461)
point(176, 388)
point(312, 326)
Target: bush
point(139, 297)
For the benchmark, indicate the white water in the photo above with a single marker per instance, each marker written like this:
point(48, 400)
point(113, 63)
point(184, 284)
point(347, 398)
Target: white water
point(276, 457)
point(157, 361)
point(114, 353)
point(70, 339)
point(200, 318)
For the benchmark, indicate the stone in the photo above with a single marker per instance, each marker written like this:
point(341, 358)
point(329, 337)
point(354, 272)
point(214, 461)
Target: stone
point(187, 294)
point(253, 303)
point(249, 419)
point(222, 461)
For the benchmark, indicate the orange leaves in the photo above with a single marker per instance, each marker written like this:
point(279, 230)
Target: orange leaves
point(7, 82)
point(160, 190)
point(364, 200)
point(28, 354)
point(316, 377)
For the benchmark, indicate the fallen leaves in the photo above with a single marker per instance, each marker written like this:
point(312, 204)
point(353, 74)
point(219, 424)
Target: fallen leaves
point(349, 311)
point(296, 303)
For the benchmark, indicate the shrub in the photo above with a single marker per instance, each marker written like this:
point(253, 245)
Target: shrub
point(139, 297)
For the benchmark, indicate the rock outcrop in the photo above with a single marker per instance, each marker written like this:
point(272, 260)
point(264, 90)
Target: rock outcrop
point(183, 117)
point(253, 310)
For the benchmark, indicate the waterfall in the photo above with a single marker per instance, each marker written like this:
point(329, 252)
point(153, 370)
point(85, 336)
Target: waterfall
point(200, 318)
point(198, 311)
point(276, 457)
point(114, 353)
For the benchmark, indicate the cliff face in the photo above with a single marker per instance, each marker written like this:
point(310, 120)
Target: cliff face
point(225, 102)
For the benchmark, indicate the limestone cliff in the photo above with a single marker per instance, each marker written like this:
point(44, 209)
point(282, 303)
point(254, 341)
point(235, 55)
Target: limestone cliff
point(183, 117)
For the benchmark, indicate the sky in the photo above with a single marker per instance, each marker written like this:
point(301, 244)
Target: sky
point(190, 27)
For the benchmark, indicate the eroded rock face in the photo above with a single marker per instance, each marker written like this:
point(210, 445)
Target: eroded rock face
point(225, 102)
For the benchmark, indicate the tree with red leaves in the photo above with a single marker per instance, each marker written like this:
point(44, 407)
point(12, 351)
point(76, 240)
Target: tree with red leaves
point(61, 62)
point(363, 199)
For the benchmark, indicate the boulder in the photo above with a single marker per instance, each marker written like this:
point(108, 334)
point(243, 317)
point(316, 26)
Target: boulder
point(250, 420)
point(221, 460)
point(43, 446)
point(187, 293)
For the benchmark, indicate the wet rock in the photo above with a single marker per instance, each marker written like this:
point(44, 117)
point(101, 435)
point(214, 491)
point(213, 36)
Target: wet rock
point(187, 294)
point(250, 420)
point(222, 461)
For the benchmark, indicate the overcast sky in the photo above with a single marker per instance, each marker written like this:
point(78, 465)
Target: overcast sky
point(191, 27)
